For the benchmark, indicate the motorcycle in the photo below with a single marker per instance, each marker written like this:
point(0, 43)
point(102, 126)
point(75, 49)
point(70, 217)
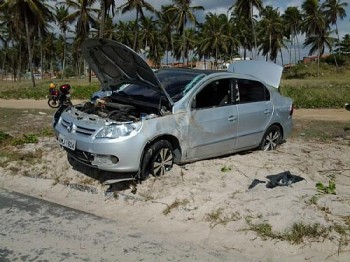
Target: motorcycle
point(59, 97)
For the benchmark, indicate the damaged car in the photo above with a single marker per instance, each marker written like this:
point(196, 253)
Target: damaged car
point(152, 120)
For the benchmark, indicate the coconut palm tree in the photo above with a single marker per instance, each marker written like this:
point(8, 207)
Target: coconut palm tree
point(183, 13)
point(270, 32)
point(106, 7)
point(215, 38)
point(61, 14)
point(35, 13)
point(243, 33)
point(315, 27)
point(292, 19)
point(137, 5)
point(165, 19)
point(83, 15)
point(245, 8)
point(335, 9)
point(124, 32)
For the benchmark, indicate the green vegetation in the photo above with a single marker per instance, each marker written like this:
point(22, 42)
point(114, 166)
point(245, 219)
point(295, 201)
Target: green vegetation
point(298, 233)
point(217, 217)
point(81, 89)
point(330, 189)
point(25, 139)
point(12, 156)
point(226, 169)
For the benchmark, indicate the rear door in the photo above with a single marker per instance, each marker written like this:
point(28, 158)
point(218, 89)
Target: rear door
point(213, 120)
point(255, 112)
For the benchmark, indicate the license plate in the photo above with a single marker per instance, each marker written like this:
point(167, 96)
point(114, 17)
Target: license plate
point(66, 142)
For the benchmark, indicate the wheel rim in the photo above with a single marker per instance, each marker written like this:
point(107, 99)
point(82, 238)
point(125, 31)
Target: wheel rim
point(163, 161)
point(271, 141)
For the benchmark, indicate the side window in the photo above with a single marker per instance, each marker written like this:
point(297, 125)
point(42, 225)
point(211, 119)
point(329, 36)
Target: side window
point(252, 91)
point(215, 94)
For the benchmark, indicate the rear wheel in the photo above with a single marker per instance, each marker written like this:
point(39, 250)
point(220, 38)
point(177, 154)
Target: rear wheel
point(158, 159)
point(53, 103)
point(272, 138)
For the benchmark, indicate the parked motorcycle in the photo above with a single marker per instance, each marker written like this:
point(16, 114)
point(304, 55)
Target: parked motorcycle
point(59, 97)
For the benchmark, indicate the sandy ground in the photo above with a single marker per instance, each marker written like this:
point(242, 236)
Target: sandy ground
point(209, 203)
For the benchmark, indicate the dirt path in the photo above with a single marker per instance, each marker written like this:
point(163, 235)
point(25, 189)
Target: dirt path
point(313, 114)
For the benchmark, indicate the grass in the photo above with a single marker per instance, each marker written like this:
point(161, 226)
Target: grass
point(320, 130)
point(12, 156)
point(297, 234)
point(176, 204)
point(217, 217)
point(81, 88)
point(27, 121)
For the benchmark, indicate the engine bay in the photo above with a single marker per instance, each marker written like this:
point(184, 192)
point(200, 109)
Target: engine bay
point(106, 108)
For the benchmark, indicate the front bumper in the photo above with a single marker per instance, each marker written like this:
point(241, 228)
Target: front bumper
point(118, 155)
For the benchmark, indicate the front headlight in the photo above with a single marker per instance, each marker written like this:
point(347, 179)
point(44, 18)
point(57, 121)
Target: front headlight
point(115, 131)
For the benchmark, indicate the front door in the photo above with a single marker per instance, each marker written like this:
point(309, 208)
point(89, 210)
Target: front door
point(213, 121)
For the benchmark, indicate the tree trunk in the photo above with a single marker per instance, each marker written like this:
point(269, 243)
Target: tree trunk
point(136, 30)
point(41, 54)
point(318, 61)
point(103, 18)
point(64, 55)
point(29, 49)
point(334, 54)
point(254, 36)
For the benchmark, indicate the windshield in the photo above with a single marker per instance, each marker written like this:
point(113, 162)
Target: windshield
point(176, 83)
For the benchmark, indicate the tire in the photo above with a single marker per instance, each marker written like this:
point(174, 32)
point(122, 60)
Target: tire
point(158, 159)
point(271, 139)
point(53, 103)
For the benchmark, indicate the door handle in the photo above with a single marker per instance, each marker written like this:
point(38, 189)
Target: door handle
point(232, 118)
point(267, 111)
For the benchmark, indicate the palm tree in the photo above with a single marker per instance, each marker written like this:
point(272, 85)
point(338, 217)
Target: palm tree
point(106, 6)
point(124, 34)
point(335, 9)
point(243, 33)
point(315, 26)
point(137, 5)
point(245, 8)
point(215, 35)
point(61, 14)
point(82, 14)
point(24, 13)
point(165, 20)
point(270, 32)
point(317, 44)
point(292, 20)
point(183, 12)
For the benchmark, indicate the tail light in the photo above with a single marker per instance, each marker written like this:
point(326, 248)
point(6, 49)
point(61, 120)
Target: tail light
point(291, 109)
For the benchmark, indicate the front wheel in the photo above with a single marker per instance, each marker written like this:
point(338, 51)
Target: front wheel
point(271, 139)
point(53, 103)
point(158, 159)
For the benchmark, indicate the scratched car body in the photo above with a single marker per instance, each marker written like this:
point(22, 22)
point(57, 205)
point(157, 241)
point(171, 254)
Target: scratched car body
point(155, 119)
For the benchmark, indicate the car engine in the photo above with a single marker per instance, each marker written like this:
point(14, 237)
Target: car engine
point(108, 109)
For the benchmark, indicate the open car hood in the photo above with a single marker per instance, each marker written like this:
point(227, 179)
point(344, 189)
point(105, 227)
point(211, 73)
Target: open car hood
point(115, 64)
point(268, 72)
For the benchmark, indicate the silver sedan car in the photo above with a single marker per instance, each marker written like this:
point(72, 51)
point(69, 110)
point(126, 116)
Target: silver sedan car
point(155, 119)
